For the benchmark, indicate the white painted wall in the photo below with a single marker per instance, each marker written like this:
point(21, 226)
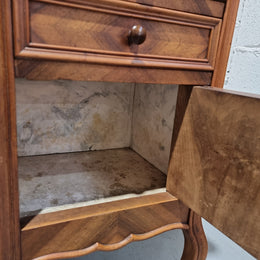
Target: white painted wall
point(243, 74)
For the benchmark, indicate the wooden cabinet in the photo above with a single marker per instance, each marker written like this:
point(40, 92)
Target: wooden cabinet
point(181, 42)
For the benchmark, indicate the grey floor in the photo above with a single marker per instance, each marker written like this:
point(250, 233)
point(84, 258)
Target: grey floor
point(168, 246)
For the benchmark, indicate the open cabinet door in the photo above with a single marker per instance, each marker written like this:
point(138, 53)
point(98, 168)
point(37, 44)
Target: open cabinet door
point(215, 165)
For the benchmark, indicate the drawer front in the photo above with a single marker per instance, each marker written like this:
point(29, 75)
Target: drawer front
point(99, 33)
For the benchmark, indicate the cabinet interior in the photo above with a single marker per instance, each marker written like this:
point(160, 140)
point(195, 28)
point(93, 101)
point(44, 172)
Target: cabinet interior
point(80, 142)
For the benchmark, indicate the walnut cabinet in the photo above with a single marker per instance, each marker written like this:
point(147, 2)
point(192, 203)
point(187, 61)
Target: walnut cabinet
point(88, 178)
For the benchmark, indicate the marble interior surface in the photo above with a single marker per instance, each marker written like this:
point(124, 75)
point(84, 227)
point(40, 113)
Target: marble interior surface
point(68, 116)
point(153, 117)
point(59, 179)
point(66, 120)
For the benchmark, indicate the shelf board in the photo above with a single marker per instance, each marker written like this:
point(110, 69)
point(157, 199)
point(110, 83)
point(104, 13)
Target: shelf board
point(48, 181)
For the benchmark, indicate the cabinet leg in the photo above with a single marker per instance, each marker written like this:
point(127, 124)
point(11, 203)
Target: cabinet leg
point(195, 245)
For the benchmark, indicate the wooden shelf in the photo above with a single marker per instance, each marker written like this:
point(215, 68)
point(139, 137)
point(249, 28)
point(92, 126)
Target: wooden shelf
point(49, 181)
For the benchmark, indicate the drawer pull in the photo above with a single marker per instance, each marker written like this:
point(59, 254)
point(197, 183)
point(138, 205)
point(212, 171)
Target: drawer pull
point(137, 35)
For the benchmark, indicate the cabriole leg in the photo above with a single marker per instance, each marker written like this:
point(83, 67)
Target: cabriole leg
point(195, 245)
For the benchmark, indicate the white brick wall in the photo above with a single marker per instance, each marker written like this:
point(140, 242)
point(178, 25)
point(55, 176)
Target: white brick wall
point(243, 72)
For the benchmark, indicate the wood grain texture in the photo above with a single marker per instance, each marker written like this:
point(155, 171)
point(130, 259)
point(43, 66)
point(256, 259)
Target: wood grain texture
point(226, 36)
point(9, 210)
point(215, 166)
point(218, 52)
point(195, 245)
point(205, 7)
point(183, 97)
point(109, 224)
point(86, 28)
point(52, 70)
point(20, 24)
point(21, 18)
point(97, 32)
point(101, 247)
point(64, 54)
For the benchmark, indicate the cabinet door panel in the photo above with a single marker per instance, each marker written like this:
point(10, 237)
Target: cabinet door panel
point(215, 166)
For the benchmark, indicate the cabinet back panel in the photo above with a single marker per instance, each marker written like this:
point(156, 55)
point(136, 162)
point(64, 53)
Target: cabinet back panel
point(68, 116)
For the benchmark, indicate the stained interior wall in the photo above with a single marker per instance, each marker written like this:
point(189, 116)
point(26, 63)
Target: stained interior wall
point(153, 116)
point(68, 116)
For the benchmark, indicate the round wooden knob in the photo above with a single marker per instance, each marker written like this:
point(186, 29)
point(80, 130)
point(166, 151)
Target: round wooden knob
point(137, 34)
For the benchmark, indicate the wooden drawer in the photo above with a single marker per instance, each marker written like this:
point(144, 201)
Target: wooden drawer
point(97, 32)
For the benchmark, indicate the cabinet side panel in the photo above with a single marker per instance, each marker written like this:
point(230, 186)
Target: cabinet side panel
point(105, 32)
point(153, 115)
point(9, 212)
point(224, 46)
